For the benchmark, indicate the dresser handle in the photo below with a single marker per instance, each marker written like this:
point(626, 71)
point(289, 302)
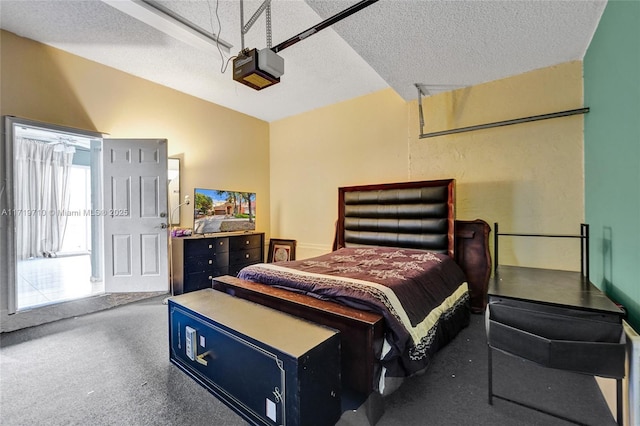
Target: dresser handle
point(246, 256)
point(210, 262)
point(246, 242)
point(210, 245)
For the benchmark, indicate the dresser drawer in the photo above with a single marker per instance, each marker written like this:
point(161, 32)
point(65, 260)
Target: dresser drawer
point(245, 256)
point(206, 263)
point(246, 242)
point(200, 280)
point(202, 246)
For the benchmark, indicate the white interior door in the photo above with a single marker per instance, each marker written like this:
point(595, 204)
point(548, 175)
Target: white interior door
point(135, 215)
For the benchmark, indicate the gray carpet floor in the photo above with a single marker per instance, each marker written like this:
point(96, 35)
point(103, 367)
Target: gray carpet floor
point(112, 368)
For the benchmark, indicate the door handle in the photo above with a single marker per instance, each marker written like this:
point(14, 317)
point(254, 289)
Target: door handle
point(164, 225)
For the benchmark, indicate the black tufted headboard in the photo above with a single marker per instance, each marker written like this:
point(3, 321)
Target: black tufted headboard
point(408, 214)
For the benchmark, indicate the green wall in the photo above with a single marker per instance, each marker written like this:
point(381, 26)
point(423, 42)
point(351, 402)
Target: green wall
point(612, 154)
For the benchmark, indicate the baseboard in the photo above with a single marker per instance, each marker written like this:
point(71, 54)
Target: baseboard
point(307, 250)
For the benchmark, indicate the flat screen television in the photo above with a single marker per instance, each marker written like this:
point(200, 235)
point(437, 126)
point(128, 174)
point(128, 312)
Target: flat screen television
point(223, 211)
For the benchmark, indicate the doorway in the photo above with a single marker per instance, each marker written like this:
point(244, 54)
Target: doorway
point(54, 190)
point(88, 219)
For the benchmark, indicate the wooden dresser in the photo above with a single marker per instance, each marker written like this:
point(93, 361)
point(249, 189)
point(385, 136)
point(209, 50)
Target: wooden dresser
point(196, 260)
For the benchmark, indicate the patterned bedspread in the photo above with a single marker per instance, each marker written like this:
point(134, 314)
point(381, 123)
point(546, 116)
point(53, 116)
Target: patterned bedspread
point(422, 295)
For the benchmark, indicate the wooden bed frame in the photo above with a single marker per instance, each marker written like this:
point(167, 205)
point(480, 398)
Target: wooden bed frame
point(408, 215)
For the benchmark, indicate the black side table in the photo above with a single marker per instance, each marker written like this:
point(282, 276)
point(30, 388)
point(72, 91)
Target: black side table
point(557, 319)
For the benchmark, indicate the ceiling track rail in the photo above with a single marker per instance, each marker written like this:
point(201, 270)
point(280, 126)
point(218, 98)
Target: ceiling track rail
point(529, 119)
point(160, 9)
point(324, 24)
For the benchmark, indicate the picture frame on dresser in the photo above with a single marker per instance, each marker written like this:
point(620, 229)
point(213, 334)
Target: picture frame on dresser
point(281, 250)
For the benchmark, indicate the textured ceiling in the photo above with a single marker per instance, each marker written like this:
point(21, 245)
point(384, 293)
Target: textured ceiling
point(392, 43)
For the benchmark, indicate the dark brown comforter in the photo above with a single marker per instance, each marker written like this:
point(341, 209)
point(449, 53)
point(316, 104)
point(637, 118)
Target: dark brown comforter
point(422, 295)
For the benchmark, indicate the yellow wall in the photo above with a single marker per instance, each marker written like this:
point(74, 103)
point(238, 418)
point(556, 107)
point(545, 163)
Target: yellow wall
point(219, 148)
point(360, 141)
point(527, 177)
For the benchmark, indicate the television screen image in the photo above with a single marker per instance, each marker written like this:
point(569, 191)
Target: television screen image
point(223, 211)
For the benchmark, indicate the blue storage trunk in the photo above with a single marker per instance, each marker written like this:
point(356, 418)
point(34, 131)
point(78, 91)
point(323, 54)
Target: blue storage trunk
point(269, 367)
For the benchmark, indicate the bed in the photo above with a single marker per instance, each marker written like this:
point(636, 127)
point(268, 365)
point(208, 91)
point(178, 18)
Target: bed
point(386, 235)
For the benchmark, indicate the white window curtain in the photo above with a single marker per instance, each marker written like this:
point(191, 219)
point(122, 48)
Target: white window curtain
point(42, 196)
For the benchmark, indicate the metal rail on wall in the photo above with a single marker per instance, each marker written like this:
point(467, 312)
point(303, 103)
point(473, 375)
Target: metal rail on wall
point(584, 245)
point(490, 125)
